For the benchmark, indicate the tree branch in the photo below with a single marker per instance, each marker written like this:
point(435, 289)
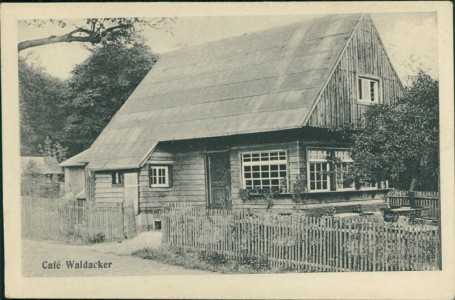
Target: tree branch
point(110, 29)
point(66, 38)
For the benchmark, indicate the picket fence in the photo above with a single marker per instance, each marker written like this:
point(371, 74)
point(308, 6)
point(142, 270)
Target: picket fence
point(428, 200)
point(304, 243)
point(62, 219)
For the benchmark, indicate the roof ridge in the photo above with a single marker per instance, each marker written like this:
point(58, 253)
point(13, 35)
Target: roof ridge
point(262, 31)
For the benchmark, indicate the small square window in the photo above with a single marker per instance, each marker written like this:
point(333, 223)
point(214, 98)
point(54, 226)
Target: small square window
point(117, 178)
point(159, 176)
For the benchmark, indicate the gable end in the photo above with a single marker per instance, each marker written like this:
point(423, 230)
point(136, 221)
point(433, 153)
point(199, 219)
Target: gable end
point(363, 57)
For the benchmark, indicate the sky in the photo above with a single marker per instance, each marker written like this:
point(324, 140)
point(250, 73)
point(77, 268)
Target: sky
point(410, 39)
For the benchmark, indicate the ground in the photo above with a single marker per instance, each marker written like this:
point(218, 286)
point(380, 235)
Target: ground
point(35, 253)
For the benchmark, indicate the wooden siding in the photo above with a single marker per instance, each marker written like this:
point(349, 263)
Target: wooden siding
point(161, 153)
point(104, 191)
point(363, 55)
point(188, 176)
point(74, 180)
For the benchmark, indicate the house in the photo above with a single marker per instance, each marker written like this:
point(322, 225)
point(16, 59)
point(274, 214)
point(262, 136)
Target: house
point(40, 175)
point(247, 112)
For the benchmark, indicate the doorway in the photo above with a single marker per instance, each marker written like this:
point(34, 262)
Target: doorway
point(219, 180)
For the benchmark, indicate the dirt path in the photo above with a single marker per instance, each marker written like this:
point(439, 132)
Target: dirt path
point(110, 259)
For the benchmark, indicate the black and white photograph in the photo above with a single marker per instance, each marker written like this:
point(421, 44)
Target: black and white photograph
point(264, 145)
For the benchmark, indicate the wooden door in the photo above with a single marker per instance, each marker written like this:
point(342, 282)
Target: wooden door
point(219, 180)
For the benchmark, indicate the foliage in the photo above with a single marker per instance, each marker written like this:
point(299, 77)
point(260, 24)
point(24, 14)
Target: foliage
point(35, 184)
point(267, 194)
point(245, 194)
point(97, 31)
point(54, 150)
point(298, 191)
point(205, 260)
point(98, 88)
point(96, 238)
point(399, 142)
point(41, 116)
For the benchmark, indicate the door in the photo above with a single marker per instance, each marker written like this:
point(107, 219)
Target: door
point(219, 180)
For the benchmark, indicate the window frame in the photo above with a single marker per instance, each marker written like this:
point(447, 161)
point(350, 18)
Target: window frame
point(331, 178)
point(167, 176)
point(269, 162)
point(360, 91)
point(317, 160)
point(347, 161)
point(118, 178)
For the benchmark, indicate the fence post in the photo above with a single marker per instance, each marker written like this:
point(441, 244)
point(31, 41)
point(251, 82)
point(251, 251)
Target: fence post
point(165, 229)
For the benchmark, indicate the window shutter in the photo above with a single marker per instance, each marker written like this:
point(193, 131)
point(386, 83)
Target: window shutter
point(150, 175)
point(365, 89)
point(169, 169)
point(376, 92)
point(360, 88)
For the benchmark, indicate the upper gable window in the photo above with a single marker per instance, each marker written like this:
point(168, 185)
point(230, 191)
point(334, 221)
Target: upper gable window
point(368, 90)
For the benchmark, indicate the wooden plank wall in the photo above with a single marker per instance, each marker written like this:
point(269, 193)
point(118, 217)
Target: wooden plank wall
point(364, 55)
point(188, 168)
point(104, 191)
point(74, 180)
point(188, 176)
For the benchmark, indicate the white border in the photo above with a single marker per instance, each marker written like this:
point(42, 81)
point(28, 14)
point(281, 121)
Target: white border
point(398, 285)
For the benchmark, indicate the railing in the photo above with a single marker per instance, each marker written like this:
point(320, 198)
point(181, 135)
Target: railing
point(61, 219)
point(303, 243)
point(428, 200)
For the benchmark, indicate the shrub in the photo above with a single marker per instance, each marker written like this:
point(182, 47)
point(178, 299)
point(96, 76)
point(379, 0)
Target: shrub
point(96, 238)
point(205, 260)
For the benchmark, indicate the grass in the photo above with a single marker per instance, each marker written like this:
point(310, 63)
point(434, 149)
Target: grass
point(206, 261)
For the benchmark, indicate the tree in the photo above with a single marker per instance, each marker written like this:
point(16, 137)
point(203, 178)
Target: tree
point(400, 142)
point(97, 31)
point(39, 100)
point(99, 86)
point(54, 150)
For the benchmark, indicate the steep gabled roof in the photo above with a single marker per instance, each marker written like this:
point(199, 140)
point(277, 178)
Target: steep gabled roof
point(39, 165)
point(257, 82)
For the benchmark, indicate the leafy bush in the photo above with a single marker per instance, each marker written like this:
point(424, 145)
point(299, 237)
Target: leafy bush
point(96, 238)
point(205, 260)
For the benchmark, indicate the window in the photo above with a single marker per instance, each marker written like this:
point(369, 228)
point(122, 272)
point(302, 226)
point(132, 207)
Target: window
point(342, 165)
point(321, 162)
point(264, 170)
point(368, 90)
point(318, 166)
point(159, 176)
point(117, 178)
